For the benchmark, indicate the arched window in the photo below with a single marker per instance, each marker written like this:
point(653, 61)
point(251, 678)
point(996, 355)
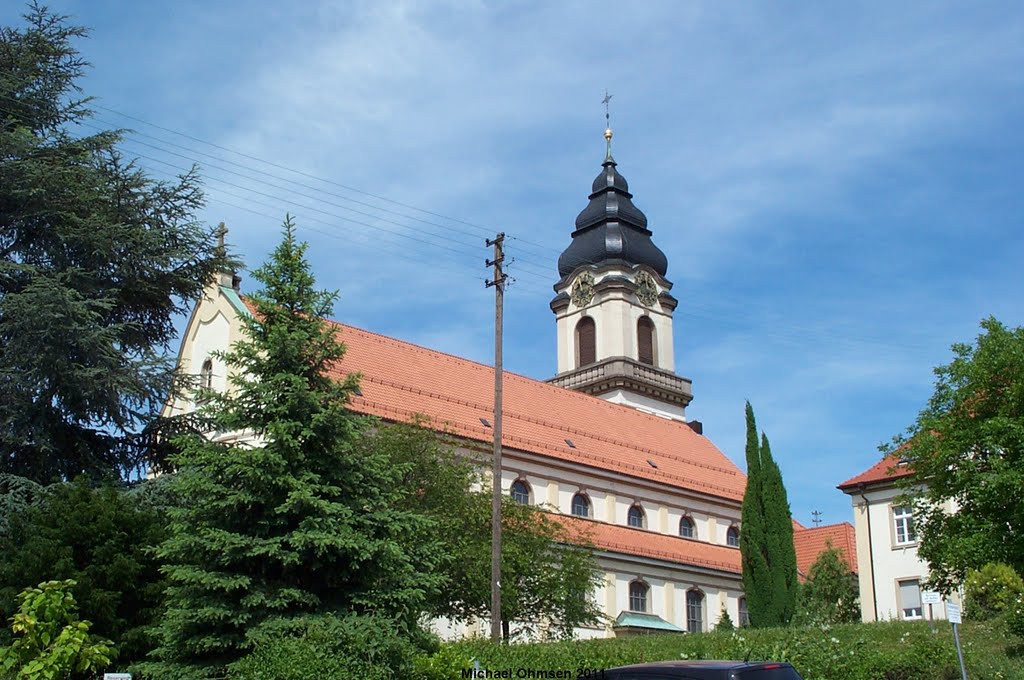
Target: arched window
point(744, 613)
point(635, 517)
point(694, 611)
point(206, 375)
point(686, 528)
point(732, 537)
point(580, 505)
point(520, 492)
point(586, 341)
point(638, 596)
point(645, 340)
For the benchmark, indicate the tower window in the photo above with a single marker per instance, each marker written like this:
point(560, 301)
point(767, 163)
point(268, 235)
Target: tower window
point(520, 492)
point(580, 505)
point(645, 340)
point(586, 341)
point(635, 517)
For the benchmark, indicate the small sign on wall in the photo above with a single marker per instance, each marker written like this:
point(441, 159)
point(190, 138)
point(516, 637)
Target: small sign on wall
point(930, 597)
point(117, 676)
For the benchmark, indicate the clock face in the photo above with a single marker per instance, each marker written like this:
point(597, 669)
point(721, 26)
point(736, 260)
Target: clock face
point(583, 289)
point(646, 289)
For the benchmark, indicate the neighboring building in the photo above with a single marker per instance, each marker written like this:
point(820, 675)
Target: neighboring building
point(607, 444)
point(812, 541)
point(890, 573)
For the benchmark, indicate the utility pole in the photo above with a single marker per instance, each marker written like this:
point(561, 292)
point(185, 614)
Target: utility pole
point(499, 299)
point(817, 517)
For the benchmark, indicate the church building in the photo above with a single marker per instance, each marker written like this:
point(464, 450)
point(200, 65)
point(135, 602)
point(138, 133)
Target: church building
point(605, 442)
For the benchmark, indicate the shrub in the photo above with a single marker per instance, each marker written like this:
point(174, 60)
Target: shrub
point(1015, 617)
point(50, 642)
point(991, 591)
point(353, 646)
point(447, 664)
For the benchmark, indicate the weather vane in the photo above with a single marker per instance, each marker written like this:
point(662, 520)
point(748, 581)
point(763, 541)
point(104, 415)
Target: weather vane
point(607, 121)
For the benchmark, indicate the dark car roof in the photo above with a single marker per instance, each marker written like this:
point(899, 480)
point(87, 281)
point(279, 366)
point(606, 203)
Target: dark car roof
point(701, 669)
point(710, 665)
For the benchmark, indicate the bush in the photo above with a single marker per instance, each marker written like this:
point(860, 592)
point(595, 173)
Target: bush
point(991, 591)
point(366, 647)
point(1015, 617)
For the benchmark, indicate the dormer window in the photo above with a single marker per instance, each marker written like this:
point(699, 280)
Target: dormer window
point(687, 528)
point(580, 505)
point(732, 537)
point(520, 492)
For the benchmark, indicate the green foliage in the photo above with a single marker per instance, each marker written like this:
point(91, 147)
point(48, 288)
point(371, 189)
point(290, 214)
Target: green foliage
point(830, 593)
point(1015, 616)
point(991, 590)
point(96, 263)
point(898, 650)
point(447, 664)
point(768, 556)
point(17, 494)
point(101, 538)
point(366, 647)
point(548, 571)
point(967, 448)
point(725, 621)
point(50, 642)
point(302, 522)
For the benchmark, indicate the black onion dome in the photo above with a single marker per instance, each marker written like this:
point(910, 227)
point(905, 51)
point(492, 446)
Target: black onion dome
point(611, 228)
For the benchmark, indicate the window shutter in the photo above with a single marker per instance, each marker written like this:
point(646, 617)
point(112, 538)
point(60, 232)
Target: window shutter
point(645, 340)
point(586, 339)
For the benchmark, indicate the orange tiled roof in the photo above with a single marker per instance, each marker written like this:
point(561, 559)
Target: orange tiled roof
point(400, 380)
point(623, 539)
point(810, 543)
point(885, 470)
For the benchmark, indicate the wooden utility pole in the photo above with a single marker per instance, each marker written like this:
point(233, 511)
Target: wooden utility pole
point(499, 298)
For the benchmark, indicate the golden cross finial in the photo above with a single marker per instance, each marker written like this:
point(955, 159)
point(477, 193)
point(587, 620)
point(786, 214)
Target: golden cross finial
point(608, 123)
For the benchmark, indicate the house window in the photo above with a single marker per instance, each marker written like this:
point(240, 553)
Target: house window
point(580, 505)
point(645, 340)
point(744, 613)
point(635, 517)
point(732, 537)
point(694, 611)
point(638, 596)
point(586, 341)
point(686, 528)
point(520, 492)
point(910, 599)
point(904, 524)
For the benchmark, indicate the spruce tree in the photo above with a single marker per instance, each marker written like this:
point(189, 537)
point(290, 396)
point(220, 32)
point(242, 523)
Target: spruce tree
point(300, 522)
point(96, 263)
point(756, 574)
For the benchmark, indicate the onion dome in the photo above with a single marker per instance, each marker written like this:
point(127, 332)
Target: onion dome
point(611, 227)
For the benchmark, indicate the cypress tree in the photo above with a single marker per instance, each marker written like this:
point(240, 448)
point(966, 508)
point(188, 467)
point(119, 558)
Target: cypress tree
point(779, 535)
point(756, 575)
point(306, 521)
point(767, 552)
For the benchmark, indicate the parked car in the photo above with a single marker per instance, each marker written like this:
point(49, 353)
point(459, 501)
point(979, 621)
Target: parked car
point(704, 670)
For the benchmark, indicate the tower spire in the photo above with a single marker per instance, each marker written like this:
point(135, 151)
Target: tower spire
point(607, 125)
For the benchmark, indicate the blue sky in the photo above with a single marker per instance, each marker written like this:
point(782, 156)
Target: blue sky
point(838, 186)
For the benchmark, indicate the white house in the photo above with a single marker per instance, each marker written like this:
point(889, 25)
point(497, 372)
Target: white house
point(889, 570)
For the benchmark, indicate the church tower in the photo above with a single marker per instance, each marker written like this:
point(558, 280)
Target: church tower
point(613, 309)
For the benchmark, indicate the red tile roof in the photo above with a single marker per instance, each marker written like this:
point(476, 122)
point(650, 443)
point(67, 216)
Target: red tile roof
point(400, 380)
point(885, 470)
point(811, 542)
point(623, 539)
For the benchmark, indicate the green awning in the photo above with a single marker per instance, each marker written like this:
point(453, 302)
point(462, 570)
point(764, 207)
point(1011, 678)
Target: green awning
point(637, 620)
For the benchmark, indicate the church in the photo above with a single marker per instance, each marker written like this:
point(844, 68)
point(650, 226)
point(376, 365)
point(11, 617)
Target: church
point(605, 442)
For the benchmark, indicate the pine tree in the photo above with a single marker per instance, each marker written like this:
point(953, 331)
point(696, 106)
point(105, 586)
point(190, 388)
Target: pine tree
point(767, 552)
point(756, 574)
point(96, 263)
point(305, 521)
